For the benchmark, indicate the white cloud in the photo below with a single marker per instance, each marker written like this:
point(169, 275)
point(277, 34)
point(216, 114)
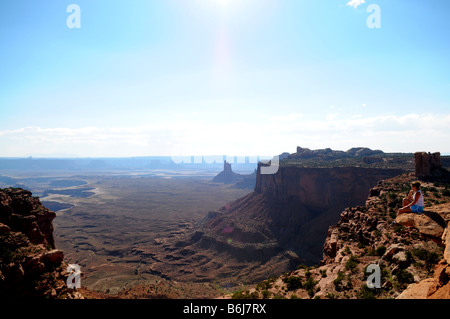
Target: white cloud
point(294, 117)
point(355, 3)
point(259, 136)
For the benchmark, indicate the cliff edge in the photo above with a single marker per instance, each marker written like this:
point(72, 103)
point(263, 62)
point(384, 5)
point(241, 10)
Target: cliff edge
point(30, 266)
point(280, 225)
point(410, 251)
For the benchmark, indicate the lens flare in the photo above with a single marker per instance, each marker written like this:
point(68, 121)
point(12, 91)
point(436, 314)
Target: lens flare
point(228, 230)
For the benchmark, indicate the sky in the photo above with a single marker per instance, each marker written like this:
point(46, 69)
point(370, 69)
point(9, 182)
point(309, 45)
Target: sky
point(231, 77)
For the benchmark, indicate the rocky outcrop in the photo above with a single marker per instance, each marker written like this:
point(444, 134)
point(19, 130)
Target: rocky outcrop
point(406, 249)
point(321, 188)
point(283, 223)
point(426, 164)
point(328, 153)
point(227, 176)
point(433, 224)
point(24, 213)
point(286, 222)
point(30, 266)
point(424, 223)
point(446, 242)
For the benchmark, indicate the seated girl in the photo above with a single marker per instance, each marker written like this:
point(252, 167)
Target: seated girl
point(414, 203)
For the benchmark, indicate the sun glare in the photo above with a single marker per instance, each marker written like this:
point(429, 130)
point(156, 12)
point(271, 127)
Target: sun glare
point(224, 3)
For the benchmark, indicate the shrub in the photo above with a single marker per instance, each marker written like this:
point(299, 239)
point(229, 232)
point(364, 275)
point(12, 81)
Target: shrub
point(399, 228)
point(309, 286)
point(265, 294)
point(430, 258)
point(351, 263)
point(404, 277)
point(380, 250)
point(338, 281)
point(409, 255)
point(367, 293)
point(393, 214)
point(392, 195)
point(293, 282)
point(13, 247)
point(266, 284)
point(245, 294)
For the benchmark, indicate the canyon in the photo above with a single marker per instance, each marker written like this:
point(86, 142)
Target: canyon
point(316, 210)
point(281, 224)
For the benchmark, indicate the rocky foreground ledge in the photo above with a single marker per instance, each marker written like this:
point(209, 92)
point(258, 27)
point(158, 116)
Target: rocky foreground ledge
point(411, 251)
point(30, 266)
point(434, 225)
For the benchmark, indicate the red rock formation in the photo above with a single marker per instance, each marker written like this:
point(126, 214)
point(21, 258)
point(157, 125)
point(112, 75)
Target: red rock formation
point(26, 214)
point(283, 223)
point(227, 176)
point(322, 187)
point(426, 163)
point(30, 266)
point(408, 253)
point(437, 229)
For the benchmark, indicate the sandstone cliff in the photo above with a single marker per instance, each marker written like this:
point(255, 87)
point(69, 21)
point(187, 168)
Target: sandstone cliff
point(427, 164)
point(30, 266)
point(322, 188)
point(283, 223)
point(411, 251)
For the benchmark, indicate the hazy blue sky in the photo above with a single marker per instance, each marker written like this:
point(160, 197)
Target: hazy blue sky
point(234, 77)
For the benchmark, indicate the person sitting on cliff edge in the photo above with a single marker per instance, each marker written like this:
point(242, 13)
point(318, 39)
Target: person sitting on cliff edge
point(414, 203)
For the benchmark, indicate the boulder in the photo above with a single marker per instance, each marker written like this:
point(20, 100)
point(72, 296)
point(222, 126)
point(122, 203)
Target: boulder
point(428, 226)
point(400, 258)
point(330, 245)
point(392, 250)
point(441, 284)
point(53, 257)
point(417, 290)
point(33, 264)
point(14, 272)
point(446, 241)
point(424, 224)
point(405, 220)
point(4, 228)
